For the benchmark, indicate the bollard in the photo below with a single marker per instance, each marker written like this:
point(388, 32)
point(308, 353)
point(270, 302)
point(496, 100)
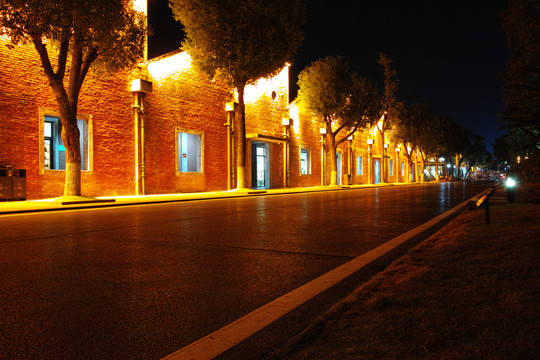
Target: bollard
point(511, 190)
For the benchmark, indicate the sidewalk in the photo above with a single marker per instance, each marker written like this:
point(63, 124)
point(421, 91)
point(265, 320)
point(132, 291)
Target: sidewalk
point(470, 291)
point(82, 202)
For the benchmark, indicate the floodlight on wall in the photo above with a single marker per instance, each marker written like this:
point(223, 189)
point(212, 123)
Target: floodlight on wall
point(140, 85)
point(231, 106)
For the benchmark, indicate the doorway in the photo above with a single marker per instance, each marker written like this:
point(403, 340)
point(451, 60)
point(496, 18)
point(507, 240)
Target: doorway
point(260, 165)
point(338, 161)
point(377, 171)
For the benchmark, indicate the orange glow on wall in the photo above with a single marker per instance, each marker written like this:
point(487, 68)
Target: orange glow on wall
point(265, 87)
point(140, 5)
point(167, 66)
point(294, 114)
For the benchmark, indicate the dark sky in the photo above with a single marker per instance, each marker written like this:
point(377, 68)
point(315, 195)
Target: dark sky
point(448, 55)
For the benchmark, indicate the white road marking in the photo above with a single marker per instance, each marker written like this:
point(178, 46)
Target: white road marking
point(230, 335)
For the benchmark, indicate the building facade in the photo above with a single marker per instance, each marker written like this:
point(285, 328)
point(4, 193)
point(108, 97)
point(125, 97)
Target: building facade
point(165, 128)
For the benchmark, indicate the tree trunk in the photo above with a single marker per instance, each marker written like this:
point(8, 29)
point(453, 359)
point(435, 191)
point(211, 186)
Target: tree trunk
point(71, 139)
point(241, 140)
point(333, 166)
point(423, 161)
point(330, 143)
point(383, 157)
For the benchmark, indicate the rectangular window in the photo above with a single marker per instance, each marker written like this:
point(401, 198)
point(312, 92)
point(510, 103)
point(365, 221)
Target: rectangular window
point(305, 161)
point(54, 151)
point(359, 168)
point(391, 167)
point(189, 152)
point(402, 168)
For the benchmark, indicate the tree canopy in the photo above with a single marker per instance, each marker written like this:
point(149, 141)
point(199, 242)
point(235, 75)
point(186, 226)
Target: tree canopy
point(521, 22)
point(521, 87)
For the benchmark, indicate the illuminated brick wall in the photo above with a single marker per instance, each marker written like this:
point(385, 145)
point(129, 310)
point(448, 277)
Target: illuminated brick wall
point(25, 96)
point(182, 100)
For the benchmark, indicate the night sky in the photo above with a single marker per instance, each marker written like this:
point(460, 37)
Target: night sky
point(448, 55)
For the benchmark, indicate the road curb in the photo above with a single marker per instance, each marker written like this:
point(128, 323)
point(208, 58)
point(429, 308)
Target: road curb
point(33, 206)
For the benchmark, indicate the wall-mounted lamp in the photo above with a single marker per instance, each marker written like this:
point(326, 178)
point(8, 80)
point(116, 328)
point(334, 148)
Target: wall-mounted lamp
point(140, 85)
point(231, 106)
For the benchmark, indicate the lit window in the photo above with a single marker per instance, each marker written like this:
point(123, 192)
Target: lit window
point(55, 152)
point(305, 161)
point(402, 168)
point(391, 167)
point(359, 169)
point(189, 152)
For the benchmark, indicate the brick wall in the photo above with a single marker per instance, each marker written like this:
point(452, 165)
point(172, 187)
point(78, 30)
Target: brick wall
point(185, 101)
point(25, 94)
point(182, 100)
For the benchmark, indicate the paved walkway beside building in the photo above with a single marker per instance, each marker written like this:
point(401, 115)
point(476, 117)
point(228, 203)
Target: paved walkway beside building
point(81, 202)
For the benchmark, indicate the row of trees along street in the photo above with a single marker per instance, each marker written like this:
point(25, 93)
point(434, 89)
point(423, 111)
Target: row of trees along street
point(347, 103)
point(240, 40)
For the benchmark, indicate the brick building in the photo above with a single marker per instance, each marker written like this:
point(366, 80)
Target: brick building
point(164, 128)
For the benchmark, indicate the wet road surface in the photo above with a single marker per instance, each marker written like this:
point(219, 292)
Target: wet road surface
point(140, 282)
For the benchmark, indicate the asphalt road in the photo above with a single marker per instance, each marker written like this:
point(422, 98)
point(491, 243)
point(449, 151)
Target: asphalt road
point(141, 282)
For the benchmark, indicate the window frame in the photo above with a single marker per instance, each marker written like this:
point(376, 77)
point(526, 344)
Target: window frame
point(49, 113)
point(359, 166)
point(308, 167)
point(200, 134)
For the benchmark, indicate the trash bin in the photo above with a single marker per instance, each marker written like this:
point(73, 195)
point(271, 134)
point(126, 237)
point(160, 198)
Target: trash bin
point(6, 185)
point(19, 184)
